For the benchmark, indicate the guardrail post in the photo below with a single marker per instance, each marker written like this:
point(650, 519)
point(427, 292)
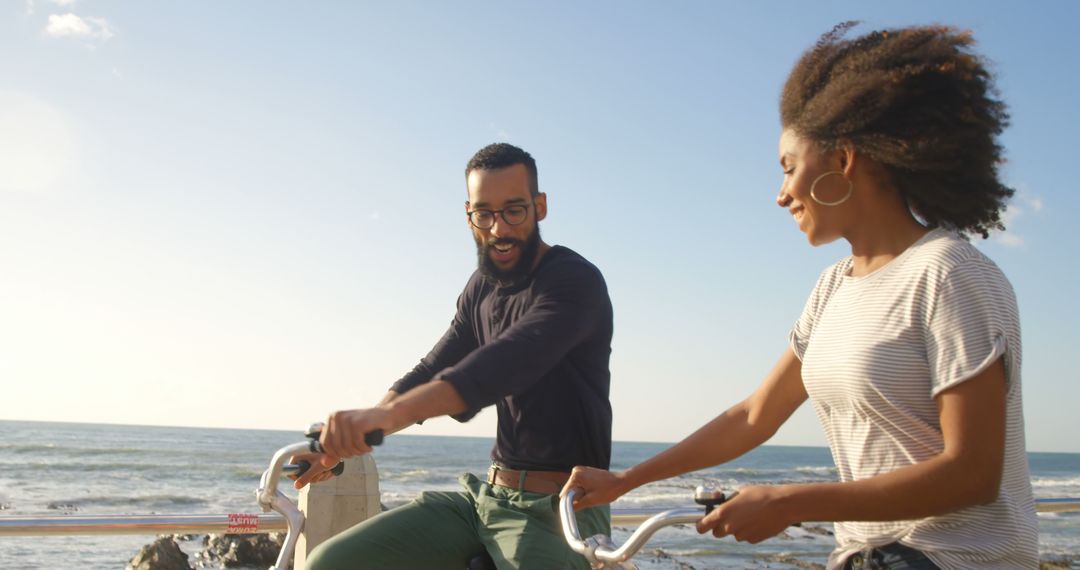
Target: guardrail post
point(335, 505)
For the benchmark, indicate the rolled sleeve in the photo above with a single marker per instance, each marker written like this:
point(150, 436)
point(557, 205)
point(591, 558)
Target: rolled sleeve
point(969, 327)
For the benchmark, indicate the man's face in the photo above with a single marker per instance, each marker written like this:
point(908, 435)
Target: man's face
point(506, 252)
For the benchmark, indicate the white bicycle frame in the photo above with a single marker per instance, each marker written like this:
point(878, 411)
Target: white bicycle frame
point(272, 499)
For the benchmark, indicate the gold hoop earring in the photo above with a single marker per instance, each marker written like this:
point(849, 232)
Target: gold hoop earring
point(850, 190)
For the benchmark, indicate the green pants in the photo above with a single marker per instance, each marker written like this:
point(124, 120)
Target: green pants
point(443, 531)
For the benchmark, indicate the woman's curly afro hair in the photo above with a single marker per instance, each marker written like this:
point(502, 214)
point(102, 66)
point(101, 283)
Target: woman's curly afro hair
point(919, 102)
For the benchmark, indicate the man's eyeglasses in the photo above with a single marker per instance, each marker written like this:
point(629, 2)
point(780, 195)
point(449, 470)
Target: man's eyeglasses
point(485, 219)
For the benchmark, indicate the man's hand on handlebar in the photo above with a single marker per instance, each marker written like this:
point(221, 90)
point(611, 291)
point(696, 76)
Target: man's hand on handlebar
point(595, 487)
point(343, 434)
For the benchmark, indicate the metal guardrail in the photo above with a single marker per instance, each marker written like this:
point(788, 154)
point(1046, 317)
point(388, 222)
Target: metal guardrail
point(1057, 505)
point(140, 524)
point(69, 525)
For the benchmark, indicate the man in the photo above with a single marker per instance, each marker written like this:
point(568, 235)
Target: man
point(532, 335)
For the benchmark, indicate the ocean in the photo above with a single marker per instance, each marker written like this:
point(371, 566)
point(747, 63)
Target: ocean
point(64, 468)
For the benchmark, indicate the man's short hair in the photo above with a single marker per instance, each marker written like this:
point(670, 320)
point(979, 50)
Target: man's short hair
point(502, 155)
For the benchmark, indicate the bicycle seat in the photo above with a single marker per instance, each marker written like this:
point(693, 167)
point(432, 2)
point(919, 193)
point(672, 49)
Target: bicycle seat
point(481, 561)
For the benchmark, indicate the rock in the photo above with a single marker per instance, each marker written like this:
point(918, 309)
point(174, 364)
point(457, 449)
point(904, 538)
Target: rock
point(162, 554)
point(236, 550)
point(788, 559)
point(819, 529)
point(659, 555)
point(1063, 563)
point(185, 537)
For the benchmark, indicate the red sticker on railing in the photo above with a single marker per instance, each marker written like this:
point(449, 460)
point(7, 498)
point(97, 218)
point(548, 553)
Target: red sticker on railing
point(240, 523)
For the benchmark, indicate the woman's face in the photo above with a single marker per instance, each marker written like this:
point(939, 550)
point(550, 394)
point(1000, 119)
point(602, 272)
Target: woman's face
point(803, 163)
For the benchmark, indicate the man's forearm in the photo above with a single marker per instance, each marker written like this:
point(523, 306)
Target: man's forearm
point(434, 399)
point(389, 397)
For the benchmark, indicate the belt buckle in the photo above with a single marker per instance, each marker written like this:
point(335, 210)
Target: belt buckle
point(493, 476)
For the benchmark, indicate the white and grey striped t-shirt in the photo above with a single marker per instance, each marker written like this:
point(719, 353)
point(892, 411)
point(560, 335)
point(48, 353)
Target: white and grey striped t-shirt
point(875, 352)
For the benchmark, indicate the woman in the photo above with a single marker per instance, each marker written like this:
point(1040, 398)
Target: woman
point(909, 349)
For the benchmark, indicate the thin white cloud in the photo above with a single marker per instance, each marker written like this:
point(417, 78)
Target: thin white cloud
point(1023, 202)
point(1011, 214)
point(1010, 239)
point(64, 3)
point(29, 7)
point(73, 26)
point(500, 133)
point(67, 25)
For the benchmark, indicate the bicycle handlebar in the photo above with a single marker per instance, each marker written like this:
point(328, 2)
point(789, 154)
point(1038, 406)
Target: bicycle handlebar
point(371, 438)
point(602, 552)
point(270, 478)
point(270, 498)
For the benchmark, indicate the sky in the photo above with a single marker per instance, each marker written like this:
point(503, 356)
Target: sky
point(249, 214)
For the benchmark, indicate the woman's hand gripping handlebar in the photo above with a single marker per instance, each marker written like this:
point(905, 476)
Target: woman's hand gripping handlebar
point(601, 552)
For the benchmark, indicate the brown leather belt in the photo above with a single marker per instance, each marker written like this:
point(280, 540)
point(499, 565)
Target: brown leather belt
point(547, 482)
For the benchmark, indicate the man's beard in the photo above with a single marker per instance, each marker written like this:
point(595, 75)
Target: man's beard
point(520, 270)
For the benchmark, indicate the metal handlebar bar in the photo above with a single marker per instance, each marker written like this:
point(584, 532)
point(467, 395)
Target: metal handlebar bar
point(602, 552)
point(270, 498)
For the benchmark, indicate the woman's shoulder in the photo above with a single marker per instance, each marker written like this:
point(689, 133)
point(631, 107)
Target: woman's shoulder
point(835, 273)
point(944, 261)
point(944, 252)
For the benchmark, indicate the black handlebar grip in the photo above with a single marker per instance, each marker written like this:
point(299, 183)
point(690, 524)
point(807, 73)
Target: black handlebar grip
point(371, 438)
point(305, 465)
point(709, 498)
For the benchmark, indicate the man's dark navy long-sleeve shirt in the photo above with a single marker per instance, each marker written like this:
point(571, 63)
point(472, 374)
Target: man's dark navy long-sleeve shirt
point(539, 351)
